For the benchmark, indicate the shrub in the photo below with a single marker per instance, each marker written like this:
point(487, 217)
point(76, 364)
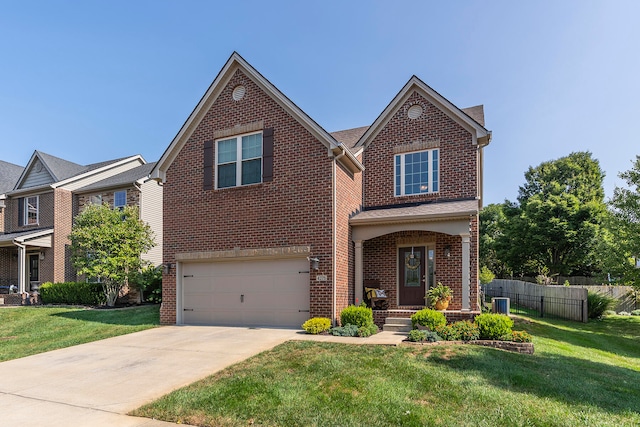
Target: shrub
point(609, 313)
point(624, 313)
point(367, 330)
point(356, 315)
point(149, 282)
point(77, 293)
point(417, 335)
point(598, 304)
point(466, 330)
point(486, 276)
point(520, 336)
point(428, 318)
point(493, 326)
point(635, 313)
point(317, 325)
point(348, 330)
point(448, 332)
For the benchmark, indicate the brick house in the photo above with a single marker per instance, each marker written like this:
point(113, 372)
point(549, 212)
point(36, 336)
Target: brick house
point(269, 219)
point(38, 213)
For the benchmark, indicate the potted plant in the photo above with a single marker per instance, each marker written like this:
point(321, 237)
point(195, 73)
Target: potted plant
point(439, 296)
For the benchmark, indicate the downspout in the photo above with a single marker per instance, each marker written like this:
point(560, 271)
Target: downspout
point(334, 237)
point(21, 266)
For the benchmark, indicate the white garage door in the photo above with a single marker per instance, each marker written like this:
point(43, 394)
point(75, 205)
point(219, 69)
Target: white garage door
point(246, 293)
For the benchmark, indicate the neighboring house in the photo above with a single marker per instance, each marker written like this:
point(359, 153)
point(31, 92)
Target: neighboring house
point(39, 212)
point(269, 219)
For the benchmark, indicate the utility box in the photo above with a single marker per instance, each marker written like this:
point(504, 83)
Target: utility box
point(500, 305)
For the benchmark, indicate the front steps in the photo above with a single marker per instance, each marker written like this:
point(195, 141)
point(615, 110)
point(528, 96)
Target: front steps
point(397, 324)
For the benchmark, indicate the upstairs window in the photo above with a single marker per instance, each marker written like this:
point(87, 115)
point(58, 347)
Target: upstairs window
point(31, 212)
point(120, 199)
point(239, 160)
point(417, 172)
point(96, 199)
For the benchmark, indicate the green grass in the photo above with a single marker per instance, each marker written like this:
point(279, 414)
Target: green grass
point(30, 330)
point(580, 375)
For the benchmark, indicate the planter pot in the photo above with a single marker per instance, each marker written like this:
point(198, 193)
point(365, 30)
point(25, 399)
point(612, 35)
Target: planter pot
point(442, 304)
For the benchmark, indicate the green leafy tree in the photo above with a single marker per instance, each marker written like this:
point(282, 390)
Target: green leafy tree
point(492, 220)
point(623, 251)
point(107, 244)
point(557, 220)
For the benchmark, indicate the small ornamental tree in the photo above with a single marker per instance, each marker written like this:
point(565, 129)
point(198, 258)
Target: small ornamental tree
point(107, 244)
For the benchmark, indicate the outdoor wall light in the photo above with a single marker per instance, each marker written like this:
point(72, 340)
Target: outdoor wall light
point(315, 263)
point(41, 256)
point(166, 268)
point(447, 251)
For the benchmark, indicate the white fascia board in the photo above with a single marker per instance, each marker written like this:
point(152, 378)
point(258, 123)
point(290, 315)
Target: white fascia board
point(31, 190)
point(99, 170)
point(219, 83)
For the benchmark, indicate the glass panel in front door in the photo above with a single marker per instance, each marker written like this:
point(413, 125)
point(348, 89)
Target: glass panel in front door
point(412, 262)
point(431, 268)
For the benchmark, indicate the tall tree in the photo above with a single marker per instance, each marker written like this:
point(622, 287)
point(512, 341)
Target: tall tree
point(491, 228)
point(107, 244)
point(557, 219)
point(624, 226)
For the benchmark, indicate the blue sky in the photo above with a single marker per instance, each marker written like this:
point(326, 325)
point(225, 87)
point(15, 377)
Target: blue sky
point(94, 80)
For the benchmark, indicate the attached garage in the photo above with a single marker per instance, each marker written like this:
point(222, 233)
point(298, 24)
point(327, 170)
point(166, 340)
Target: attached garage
point(272, 292)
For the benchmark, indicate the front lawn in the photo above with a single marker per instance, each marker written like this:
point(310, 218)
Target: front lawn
point(30, 330)
point(581, 374)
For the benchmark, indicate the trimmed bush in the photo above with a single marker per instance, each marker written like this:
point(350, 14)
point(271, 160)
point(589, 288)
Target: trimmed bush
point(635, 313)
point(348, 330)
point(598, 304)
point(356, 315)
point(493, 326)
point(367, 330)
point(609, 313)
point(466, 330)
point(74, 293)
point(448, 332)
point(624, 313)
point(417, 335)
point(520, 336)
point(428, 318)
point(317, 325)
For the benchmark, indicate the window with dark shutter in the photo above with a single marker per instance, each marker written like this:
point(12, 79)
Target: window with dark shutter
point(267, 155)
point(208, 165)
point(21, 211)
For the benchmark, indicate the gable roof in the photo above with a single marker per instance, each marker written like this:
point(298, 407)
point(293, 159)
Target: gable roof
point(9, 175)
point(128, 177)
point(349, 137)
point(234, 63)
point(61, 171)
point(476, 113)
point(480, 135)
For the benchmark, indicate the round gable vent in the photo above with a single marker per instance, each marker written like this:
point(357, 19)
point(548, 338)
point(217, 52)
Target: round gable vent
point(238, 93)
point(414, 111)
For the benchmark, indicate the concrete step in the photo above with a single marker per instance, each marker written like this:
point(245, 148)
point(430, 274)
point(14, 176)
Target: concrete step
point(397, 324)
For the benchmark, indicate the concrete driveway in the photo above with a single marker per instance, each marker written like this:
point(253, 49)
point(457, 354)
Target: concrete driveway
point(97, 383)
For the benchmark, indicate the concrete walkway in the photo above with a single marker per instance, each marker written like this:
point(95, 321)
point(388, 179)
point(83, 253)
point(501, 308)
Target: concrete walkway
point(96, 384)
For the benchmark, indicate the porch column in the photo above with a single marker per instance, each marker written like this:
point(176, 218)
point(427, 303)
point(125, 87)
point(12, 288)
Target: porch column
point(466, 272)
point(22, 267)
point(359, 283)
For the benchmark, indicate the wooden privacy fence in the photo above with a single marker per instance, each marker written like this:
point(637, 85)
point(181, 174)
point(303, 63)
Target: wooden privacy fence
point(548, 301)
point(626, 296)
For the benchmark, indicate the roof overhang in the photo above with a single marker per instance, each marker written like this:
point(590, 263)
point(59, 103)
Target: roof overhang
point(347, 158)
point(234, 63)
point(442, 217)
point(39, 238)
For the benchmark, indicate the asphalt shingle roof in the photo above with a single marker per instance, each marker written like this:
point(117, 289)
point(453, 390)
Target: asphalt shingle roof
point(9, 175)
point(124, 178)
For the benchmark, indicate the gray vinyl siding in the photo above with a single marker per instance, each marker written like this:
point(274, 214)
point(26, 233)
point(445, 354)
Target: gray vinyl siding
point(36, 179)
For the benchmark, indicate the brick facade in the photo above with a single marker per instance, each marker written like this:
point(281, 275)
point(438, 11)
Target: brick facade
point(312, 198)
point(294, 209)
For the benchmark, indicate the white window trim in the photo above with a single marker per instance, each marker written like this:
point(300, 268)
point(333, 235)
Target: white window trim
point(402, 173)
point(25, 219)
point(114, 199)
point(238, 160)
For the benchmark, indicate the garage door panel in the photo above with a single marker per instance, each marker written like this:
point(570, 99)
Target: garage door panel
point(247, 293)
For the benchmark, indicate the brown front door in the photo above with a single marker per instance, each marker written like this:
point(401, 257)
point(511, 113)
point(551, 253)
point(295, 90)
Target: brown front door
point(411, 269)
